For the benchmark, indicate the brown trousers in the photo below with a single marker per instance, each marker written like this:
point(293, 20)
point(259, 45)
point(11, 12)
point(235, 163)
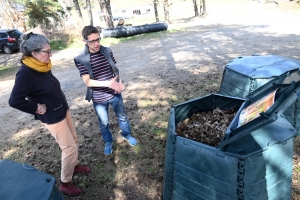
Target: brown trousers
point(65, 135)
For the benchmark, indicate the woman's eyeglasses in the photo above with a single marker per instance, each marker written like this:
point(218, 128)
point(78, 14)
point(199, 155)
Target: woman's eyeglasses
point(48, 52)
point(93, 41)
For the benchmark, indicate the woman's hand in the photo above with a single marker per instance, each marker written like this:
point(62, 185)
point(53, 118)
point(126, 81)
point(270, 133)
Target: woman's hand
point(41, 109)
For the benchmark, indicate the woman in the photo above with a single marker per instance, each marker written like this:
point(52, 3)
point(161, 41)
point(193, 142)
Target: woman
point(38, 92)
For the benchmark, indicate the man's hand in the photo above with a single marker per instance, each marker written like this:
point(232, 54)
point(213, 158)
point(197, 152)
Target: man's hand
point(113, 84)
point(117, 87)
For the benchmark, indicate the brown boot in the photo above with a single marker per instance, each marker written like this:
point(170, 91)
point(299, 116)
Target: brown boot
point(81, 169)
point(69, 189)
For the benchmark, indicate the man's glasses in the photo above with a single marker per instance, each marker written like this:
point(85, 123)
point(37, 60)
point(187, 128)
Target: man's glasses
point(93, 41)
point(48, 52)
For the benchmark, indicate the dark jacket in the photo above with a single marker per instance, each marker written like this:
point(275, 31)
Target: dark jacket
point(84, 58)
point(32, 87)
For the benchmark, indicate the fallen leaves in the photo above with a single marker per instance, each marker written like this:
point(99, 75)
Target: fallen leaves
point(206, 127)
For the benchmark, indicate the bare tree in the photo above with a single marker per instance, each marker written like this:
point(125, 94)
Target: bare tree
point(77, 24)
point(155, 10)
point(107, 14)
point(11, 16)
point(78, 11)
point(89, 8)
point(7, 15)
point(195, 8)
point(108, 7)
point(166, 10)
point(202, 8)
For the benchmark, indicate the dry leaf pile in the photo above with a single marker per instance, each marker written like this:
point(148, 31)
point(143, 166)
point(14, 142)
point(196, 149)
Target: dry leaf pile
point(206, 127)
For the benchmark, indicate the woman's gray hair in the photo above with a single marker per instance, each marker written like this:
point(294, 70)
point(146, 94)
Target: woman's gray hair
point(32, 42)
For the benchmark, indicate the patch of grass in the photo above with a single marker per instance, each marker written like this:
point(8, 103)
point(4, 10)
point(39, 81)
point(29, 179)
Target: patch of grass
point(124, 158)
point(10, 154)
point(58, 44)
point(147, 103)
point(109, 41)
point(297, 168)
point(64, 40)
point(164, 126)
point(137, 149)
point(152, 169)
point(108, 175)
point(76, 42)
point(100, 165)
point(153, 35)
point(175, 100)
point(6, 71)
point(175, 30)
point(154, 130)
point(160, 132)
point(200, 87)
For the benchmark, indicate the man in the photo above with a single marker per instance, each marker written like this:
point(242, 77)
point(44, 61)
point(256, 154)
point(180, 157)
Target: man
point(97, 69)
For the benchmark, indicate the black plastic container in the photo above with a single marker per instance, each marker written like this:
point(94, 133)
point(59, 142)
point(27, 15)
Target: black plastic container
point(126, 31)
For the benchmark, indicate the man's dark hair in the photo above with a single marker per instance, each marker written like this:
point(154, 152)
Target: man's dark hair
point(88, 30)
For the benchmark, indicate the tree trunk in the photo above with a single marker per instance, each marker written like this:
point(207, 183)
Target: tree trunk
point(108, 7)
point(155, 10)
point(76, 24)
point(106, 11)
point(195, 8)
point(202, 8)
point(89, 8)
point(78, 11)
point(12, 16)
point(166, 10)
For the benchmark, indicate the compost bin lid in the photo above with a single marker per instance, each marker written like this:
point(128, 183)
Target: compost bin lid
point(263, 106)
point(262, 66)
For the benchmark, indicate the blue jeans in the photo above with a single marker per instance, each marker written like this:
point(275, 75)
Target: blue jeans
point(102, 112)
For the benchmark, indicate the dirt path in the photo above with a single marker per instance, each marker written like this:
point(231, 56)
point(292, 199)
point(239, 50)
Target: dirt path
point(159, 72)
point(229, 30)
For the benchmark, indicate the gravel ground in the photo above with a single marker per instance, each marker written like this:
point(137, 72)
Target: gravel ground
point(158, 72)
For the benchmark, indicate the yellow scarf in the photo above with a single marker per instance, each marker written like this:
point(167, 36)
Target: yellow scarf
point(36, 64)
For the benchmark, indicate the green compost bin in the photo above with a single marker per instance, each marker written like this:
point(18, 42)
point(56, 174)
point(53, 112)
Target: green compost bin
point(24, 182)
point(245, 74)
point(253, 161)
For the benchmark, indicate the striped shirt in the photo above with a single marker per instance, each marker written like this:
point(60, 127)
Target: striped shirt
point(102, 71)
